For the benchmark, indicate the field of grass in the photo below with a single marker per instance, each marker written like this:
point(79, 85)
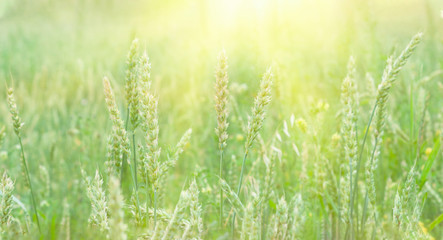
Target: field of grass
point(237, 119)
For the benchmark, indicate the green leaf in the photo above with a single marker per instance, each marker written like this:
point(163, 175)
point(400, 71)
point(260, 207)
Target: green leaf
point(272, 205)
point(429, 163)
point(436, 222)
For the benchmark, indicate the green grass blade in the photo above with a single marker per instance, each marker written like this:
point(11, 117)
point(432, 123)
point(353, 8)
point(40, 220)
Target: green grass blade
point(429, 163)
point(437, 221)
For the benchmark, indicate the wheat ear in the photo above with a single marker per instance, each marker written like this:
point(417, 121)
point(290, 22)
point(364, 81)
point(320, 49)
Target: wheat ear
point(18, 124)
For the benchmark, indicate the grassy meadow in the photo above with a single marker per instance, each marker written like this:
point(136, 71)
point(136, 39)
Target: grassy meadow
point(237, 119)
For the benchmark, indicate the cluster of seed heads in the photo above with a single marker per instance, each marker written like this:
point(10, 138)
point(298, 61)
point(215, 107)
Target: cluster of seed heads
point(389, 76)
point(143, 112)
point(118, 142)
point(186, 220)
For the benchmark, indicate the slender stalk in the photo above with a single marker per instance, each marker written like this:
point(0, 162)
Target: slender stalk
point(239, 189)
point(411, 123)
point(155, 207)
point(339, 209)
point(373, 230)
point(135, 161)
point(367, 191)
point(351, 222)
point(134, 175)
point(18, 124)
point(186, 231)
point(148, 196)
point(356, 179)
point(123, 167)
point(221, 191)
point(365, 207)
point(241, 173)
point(361, 155)
point(136, 194)
point(30, 185)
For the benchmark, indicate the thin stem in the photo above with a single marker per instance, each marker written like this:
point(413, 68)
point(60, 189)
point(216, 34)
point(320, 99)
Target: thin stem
point(356, 179)
point(127, 117)
point(134, 175)
point(351, 222)
point(238, 189)
point(241, 173)
point(361, 156)
point(373, 229)
point(148, 192)
point(411, 124)
point(135, 161)
point(133, 172)
point(186, 231)
point(367, 192)
point(136, 194)
point(347, 232)
point(265, 219)
point(221, 191)
point(148, 196)
point(30, 185)
point(365, 207)
point(339, 209)
point(155, 207)
point(123, 167)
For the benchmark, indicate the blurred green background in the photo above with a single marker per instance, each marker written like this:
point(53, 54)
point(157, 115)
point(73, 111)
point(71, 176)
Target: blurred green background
point(55, 53)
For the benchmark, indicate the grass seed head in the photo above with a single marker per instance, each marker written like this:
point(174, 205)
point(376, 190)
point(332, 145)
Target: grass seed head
point(221, 100)
point(131, 87)
point(262, 99)
point(232, 197)
point(195, 210)
point(183, 202)
point(99, 204)
point(6, 202)
point(184, 140)
point(144, 73)
point(16, 120)
point(150, 160)
point(118, 142)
